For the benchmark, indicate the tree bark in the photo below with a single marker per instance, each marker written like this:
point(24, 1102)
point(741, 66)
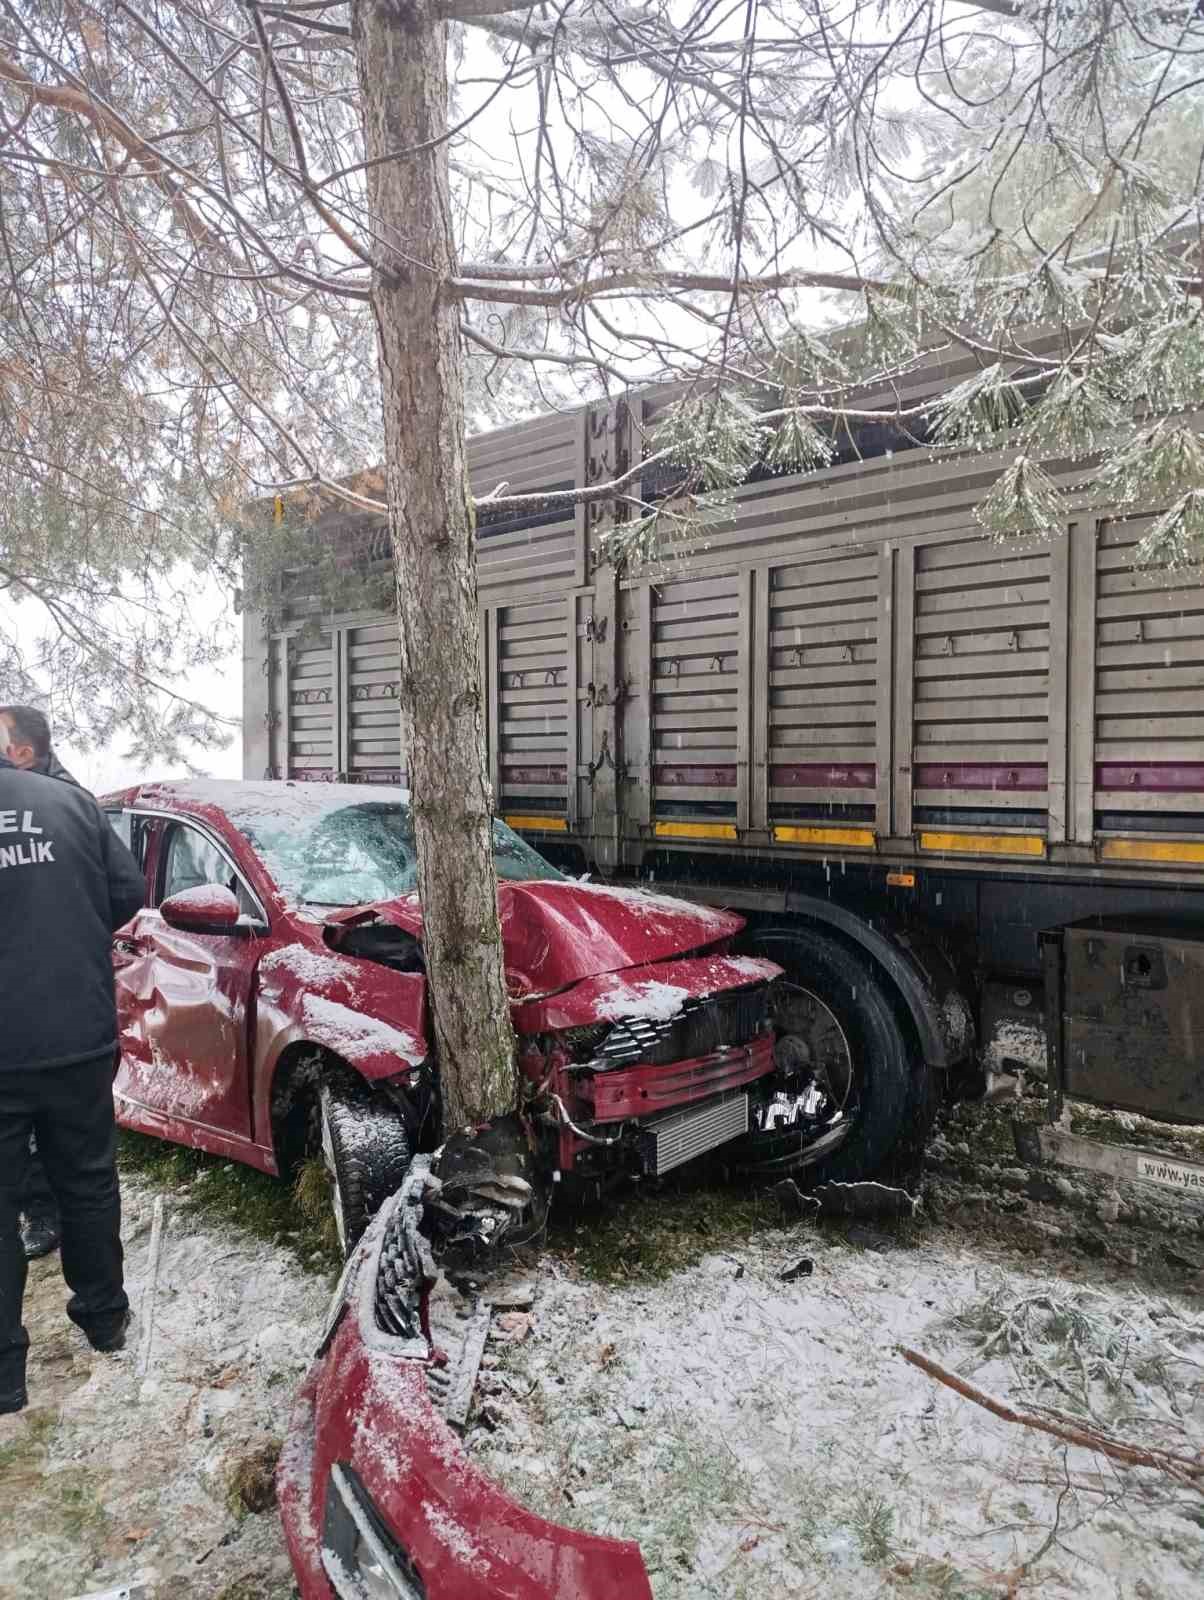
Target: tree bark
point(401, 51)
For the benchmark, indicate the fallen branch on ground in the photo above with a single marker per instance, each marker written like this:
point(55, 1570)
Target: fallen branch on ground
point(1183, 1469)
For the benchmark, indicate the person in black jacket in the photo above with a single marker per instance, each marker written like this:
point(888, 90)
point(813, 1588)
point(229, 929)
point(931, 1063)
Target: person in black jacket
point(29, 748)
point(66, 884)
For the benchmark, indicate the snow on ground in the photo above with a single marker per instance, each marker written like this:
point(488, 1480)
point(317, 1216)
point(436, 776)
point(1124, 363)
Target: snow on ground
point(764, 1439)
point(108, 1477)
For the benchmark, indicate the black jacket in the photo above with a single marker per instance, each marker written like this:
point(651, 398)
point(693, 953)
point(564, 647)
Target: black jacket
point(52, 767)
point(66, 883)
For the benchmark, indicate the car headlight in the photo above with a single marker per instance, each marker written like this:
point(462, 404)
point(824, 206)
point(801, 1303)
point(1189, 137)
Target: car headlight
point(361, 1558)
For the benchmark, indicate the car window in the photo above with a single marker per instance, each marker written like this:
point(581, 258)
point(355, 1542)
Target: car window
point(351, 855)
point(134, 832)
point(121, 824)
point(192, 861)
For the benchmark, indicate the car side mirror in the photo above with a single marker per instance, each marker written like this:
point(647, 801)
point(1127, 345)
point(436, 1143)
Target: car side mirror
point(209, 908)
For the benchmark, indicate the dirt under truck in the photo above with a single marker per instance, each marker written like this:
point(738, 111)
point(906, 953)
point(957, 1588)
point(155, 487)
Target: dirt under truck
point(955, 787)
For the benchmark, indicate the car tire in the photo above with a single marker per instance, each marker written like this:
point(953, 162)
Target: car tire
point(888, 1087)
point(366, 1153)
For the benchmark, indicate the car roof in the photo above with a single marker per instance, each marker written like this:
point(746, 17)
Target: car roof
point(266, 797)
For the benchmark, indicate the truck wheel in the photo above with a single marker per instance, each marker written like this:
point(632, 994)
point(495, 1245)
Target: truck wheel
point(365, 1150)
point(836, 1026)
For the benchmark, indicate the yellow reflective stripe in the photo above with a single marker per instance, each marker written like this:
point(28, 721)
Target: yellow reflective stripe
point(1174, 850)
point(984, 844)
point(537, 824)
point(853, 838)
point(695, 830)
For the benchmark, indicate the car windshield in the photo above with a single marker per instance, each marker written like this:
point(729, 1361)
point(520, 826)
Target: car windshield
point(353, 854)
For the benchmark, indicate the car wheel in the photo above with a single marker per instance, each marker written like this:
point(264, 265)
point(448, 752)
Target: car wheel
point(365, 1151)
point(836, 1031)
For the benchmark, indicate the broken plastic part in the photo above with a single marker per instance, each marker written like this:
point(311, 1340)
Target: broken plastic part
point(382, 942)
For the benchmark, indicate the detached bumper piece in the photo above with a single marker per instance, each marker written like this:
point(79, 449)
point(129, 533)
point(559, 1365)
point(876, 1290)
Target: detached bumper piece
point(378, 1497)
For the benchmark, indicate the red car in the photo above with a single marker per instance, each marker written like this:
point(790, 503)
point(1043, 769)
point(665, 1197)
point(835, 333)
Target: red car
point(273, 1001)
point(377, 1495)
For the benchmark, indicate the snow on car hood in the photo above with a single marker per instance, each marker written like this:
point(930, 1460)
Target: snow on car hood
point(556, 933)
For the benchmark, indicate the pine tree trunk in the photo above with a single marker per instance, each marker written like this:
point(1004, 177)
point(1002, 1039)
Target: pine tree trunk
point(401, 49)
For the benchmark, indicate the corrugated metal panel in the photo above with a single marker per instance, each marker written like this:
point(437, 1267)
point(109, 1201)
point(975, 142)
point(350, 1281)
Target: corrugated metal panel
point(311, 723)
point(823, 672)
point(373, 723)
point(981, 710)
point(533, 686)
point(527, 457)
point(1149, 678)
point(696, 700)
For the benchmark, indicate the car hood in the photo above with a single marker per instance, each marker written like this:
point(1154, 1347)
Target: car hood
point(556, 933)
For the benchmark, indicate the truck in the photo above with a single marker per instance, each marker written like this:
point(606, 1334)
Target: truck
point(954, 784)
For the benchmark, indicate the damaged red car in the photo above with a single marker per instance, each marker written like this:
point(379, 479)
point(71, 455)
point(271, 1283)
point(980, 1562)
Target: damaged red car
point(273, 1002)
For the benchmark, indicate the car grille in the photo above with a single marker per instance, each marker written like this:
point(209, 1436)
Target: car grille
point(699, 1029)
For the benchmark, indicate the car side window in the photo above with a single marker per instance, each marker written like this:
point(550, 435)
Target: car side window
point(122, 825)
point(192, 861)
point(134, 832)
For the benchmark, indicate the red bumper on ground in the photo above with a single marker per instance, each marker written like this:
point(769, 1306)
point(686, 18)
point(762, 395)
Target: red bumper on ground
point(365, 1410)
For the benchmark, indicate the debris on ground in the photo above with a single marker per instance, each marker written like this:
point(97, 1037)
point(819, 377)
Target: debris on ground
point(864, 1200)
point(251, 1477)
point(800, 1269)
point(792, 1200)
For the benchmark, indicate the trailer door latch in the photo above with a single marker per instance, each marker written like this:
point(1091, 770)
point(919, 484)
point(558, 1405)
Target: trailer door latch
point(1144, 967)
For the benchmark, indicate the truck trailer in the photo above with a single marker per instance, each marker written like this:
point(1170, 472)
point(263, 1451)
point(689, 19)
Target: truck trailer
point(955, 784)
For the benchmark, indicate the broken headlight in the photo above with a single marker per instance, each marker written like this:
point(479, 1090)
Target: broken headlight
point(362, 1559)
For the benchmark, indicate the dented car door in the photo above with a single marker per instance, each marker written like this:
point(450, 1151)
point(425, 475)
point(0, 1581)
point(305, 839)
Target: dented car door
point(185, 1000)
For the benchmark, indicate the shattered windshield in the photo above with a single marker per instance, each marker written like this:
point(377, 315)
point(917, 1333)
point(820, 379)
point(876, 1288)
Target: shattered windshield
point(359, 853)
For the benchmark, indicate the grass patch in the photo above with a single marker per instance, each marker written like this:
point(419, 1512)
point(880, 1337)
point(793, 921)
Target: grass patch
point(645, 1235)
point(64, 1502)
point(25, 1452)
point(873, 1524)
point(238, 1196)
point(251, 1587)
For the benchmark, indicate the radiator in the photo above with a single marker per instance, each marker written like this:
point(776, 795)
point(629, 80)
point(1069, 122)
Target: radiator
point(679, 1136)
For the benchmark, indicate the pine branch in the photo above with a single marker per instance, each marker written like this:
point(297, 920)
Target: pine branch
point(1183, 1469)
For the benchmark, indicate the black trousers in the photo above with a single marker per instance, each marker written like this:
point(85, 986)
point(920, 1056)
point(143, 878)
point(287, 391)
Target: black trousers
point(70, 1109)
point(38, 1204)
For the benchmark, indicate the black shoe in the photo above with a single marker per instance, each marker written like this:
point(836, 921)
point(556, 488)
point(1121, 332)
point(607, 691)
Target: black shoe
point(109, 1337)
point(39, 1236)
point(14, 1400)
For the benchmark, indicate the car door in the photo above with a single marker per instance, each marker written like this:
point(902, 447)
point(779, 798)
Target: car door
point(185, 999)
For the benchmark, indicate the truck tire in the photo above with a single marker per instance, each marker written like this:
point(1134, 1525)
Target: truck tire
point(883, 1083)
point(366, 1152)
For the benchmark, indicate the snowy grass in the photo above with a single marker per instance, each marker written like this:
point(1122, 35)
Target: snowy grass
point(113, 1477)
point(761, 1438)
point(211, 1188)
point(645, 1234)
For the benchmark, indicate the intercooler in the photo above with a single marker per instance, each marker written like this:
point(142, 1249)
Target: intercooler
point(679, 1136)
